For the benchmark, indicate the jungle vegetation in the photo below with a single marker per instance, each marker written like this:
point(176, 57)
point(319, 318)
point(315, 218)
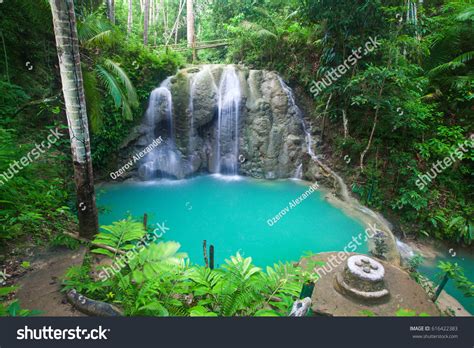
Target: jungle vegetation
point(395, 113)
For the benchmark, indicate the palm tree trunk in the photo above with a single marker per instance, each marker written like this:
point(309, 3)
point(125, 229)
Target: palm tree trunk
point(145, 22)
point(64, 22)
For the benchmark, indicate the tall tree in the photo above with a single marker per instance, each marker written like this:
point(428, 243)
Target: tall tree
point(67, 44)
point(111, 10)
point(145, 22)
point(190, 27)
point(130, 17)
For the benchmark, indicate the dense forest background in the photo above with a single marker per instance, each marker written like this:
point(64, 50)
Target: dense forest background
point(395, 113)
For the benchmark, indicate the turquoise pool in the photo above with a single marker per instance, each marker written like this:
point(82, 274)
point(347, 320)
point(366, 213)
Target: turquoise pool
point(235, 214)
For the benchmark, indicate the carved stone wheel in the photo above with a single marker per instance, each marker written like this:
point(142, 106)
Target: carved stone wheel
point(362, 278)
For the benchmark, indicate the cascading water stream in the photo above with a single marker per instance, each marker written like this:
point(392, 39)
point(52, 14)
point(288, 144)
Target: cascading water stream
point(299, 172)
point(163, 159)
point(227, 152)
point(292, 104)
point(344, 192)
point(192, 89)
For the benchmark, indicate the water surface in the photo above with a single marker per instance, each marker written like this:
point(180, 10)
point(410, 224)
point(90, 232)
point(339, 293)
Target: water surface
point(231, 213)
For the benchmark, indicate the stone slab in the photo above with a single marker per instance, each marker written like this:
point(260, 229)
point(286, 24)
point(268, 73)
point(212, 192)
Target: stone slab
point(404, 293)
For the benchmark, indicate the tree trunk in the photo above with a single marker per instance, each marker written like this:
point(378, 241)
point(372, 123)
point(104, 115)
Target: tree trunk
point(190, 27)
point(324, 116)
point(145, 21)
point(67, 43)
point(175, 25)
point(176, 34)
point(111, 10)
point(130, 18)
point(374, 125)
point(345, 124)
point(165, 16)
point(369, 143)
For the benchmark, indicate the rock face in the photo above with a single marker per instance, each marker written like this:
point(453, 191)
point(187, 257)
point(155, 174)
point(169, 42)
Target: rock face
point(222, 119)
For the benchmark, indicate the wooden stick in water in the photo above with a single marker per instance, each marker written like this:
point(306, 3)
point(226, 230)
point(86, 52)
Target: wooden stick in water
point(204, 249)
point(145, 220)
point(211, 257)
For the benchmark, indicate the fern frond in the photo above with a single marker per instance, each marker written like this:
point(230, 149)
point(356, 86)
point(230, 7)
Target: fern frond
point(121, 235)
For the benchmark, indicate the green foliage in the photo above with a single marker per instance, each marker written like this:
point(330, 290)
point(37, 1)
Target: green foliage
point(118, 77)
point(66, 241)
point(402, 312)
point(26, 35)
point(118, 86)
point(79, 278)
point(456, 273)
point(11, 98)
point(25, 265)
point(121, 235)
point(12, 309)
point(159, 281)
point(381, 246)
point(367, 313)
point(32, 204)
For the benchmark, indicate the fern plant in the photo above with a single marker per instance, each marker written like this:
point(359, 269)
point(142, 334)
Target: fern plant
point(160, 281)
point(155, 281)
point(121, 235)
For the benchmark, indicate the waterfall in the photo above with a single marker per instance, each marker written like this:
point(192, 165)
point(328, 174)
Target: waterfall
point(228, 122)
point(159, 119)
point(299, 172)
point(192, 89)
point(343, 190)
point(406, 252)
point(160, 103)
point(292, 104)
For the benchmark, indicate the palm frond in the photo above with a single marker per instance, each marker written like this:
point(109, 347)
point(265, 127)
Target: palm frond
point(123, 77)
point(101, 38)
point(93, 100)
point(109, 81)
point(455, 63)
point(464, 58)
point(258, 30)
point(466, 14)
point(91, 27)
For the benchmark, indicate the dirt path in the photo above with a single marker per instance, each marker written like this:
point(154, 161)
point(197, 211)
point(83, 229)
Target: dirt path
point(40, 286)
